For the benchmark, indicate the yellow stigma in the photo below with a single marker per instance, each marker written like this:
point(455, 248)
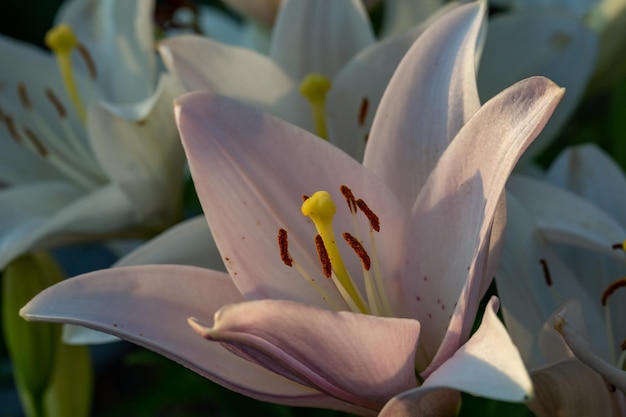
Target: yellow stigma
point(61, 40)
point(320, 208)
point(314, 88)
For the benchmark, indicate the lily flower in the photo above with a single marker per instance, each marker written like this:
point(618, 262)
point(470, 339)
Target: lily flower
point(88, 148)
point(563, 258)
point(377, 322)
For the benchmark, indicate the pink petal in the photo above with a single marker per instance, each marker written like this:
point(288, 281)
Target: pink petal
point(570, 323)
point(319, 36)
point(431, 95)
point(455, 210)
point(356, 358)
point(423, 402)
point(487, 365)
point(149, 306)
point(570, 389)
point(251, 171)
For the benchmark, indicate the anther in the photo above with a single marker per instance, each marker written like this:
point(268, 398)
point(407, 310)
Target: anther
point(363, 111)
point(56, 103)
point(23, 94)
point(347, 193)
point(546, 272)
point(623, 345)
point(620, 246)
point(614, 286)
point(41, 150)
point(371, 216)
point(283, 245)
point(8, 120)
point(305, 198)
point(358, 248)
point(91, 66)
point(323, 255)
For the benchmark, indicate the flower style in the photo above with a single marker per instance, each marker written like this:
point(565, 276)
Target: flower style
point(560, 258)
point(295, 322)
point(78, 159)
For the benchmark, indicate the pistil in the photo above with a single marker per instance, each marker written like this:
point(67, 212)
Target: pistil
point(61, 40)
point(314, 88)
point(321, 209)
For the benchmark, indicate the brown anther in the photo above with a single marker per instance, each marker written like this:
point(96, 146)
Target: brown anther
point(371, 216)
point(56, 103)
point(619, 246)
point(305, 198)
point(546, 272)
point(23, 94)
point(358, 248)
point(8, 120)
point(36, 142)
point(363, 110)
point(612, 288)
point(283, 245)
point(347, 193)
point(323, 255)
point(91, 66)
point(623, 345)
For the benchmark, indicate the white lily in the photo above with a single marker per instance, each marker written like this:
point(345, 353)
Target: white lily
point(78, 158)
point(559, 272)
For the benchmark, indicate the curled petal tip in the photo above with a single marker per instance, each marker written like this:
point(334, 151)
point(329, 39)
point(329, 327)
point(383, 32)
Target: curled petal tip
point(199, 328)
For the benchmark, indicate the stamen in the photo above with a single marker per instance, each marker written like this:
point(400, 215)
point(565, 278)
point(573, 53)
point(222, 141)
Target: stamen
point(347, 193)
point(323, 255)
point(288, 260)
point(358, 248)
point(321, 209)
point(614, 286)
point(546, 272)
point(371, 216)
point(623, 345)
point(621, 246)
point(283, 245)
point(8, 121)
point(56, 103)
point(61, 40)
point(41, 150)
point(91, 66)
point(363, 111)
point(314, 88)
point(21, 91)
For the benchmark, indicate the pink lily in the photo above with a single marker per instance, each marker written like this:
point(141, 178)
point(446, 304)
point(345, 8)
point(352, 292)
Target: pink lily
point(288, 334)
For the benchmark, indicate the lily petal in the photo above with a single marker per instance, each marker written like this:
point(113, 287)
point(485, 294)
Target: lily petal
point(340, 29)
point(570, 323)
point(103, 211)
point(548, 41)
point(457, 206)
point(565, 218)
point(202, 64)
point(149, 306)
point(431, 95)
point(357, 358)
point(187, 243)
point(582, 169)
point(570, 389)
point(529, 296)
point(250, 172)
point(119, 36)
point(144, 157)
point(487, 365)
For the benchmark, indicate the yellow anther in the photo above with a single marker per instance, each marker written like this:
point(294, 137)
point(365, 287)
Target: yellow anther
point(314, 88)
point(320, 208)
point(61, 40)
